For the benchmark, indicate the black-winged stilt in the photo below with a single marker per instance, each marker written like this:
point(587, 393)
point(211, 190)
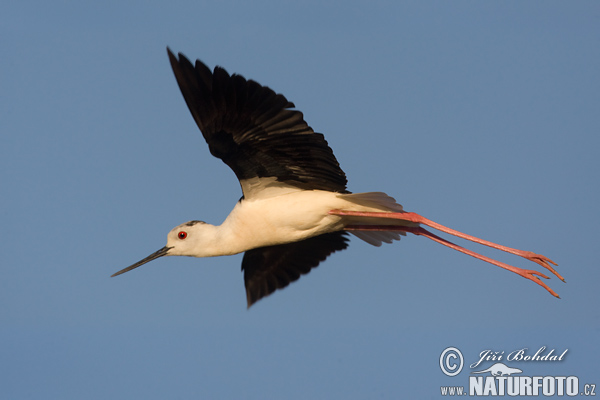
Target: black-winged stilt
point(295, 210)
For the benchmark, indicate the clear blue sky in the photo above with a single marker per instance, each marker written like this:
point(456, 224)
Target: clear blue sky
point(483, 116)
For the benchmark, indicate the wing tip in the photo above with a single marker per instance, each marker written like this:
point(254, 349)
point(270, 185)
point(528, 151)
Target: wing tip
point(285, 274)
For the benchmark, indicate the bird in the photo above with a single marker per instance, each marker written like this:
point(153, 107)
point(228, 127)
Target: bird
point(295, 210)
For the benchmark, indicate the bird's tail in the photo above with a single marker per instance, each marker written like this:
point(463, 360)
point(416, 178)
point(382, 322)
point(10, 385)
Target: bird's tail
point(374, 202)
point(379, 201)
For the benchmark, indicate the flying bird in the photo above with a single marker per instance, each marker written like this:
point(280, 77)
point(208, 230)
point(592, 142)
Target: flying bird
point(295, 210)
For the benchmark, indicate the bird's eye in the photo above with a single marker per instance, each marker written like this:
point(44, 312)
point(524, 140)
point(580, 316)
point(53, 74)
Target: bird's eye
point(182, 235)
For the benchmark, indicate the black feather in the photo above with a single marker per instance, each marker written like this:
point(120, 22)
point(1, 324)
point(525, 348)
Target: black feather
point(254, 130)
point(267, 269)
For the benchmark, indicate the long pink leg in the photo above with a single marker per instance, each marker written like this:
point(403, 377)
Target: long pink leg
point(417, 230)
point(419, 219)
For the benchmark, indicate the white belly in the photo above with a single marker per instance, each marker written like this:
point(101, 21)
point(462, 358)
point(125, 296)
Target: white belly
point(284, 219)
point(292, 216)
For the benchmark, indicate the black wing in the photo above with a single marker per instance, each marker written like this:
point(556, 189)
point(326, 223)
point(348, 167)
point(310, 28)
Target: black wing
point(253, 129)
point(267, 269)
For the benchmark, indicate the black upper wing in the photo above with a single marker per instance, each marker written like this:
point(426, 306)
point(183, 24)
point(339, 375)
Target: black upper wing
point(267, 269)
point(254, 130)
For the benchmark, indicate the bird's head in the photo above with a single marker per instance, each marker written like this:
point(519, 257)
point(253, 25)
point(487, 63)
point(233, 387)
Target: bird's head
point(189, 239)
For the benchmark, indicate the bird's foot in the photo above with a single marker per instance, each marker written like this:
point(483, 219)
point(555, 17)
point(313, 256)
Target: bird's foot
point(543, 261)
point(533, 276)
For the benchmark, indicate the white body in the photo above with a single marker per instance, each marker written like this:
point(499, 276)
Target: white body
point(277, 214)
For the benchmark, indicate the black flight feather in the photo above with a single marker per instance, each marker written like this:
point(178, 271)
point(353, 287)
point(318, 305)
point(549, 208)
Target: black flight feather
point(254, 130)
point(267, 269)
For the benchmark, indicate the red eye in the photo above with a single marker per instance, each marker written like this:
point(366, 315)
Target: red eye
point(182, 235)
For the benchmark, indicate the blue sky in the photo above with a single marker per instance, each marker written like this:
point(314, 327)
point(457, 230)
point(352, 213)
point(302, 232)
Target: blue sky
point(482, 116)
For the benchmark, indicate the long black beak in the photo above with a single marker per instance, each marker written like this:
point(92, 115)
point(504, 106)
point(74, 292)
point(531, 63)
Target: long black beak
point(153, 256)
